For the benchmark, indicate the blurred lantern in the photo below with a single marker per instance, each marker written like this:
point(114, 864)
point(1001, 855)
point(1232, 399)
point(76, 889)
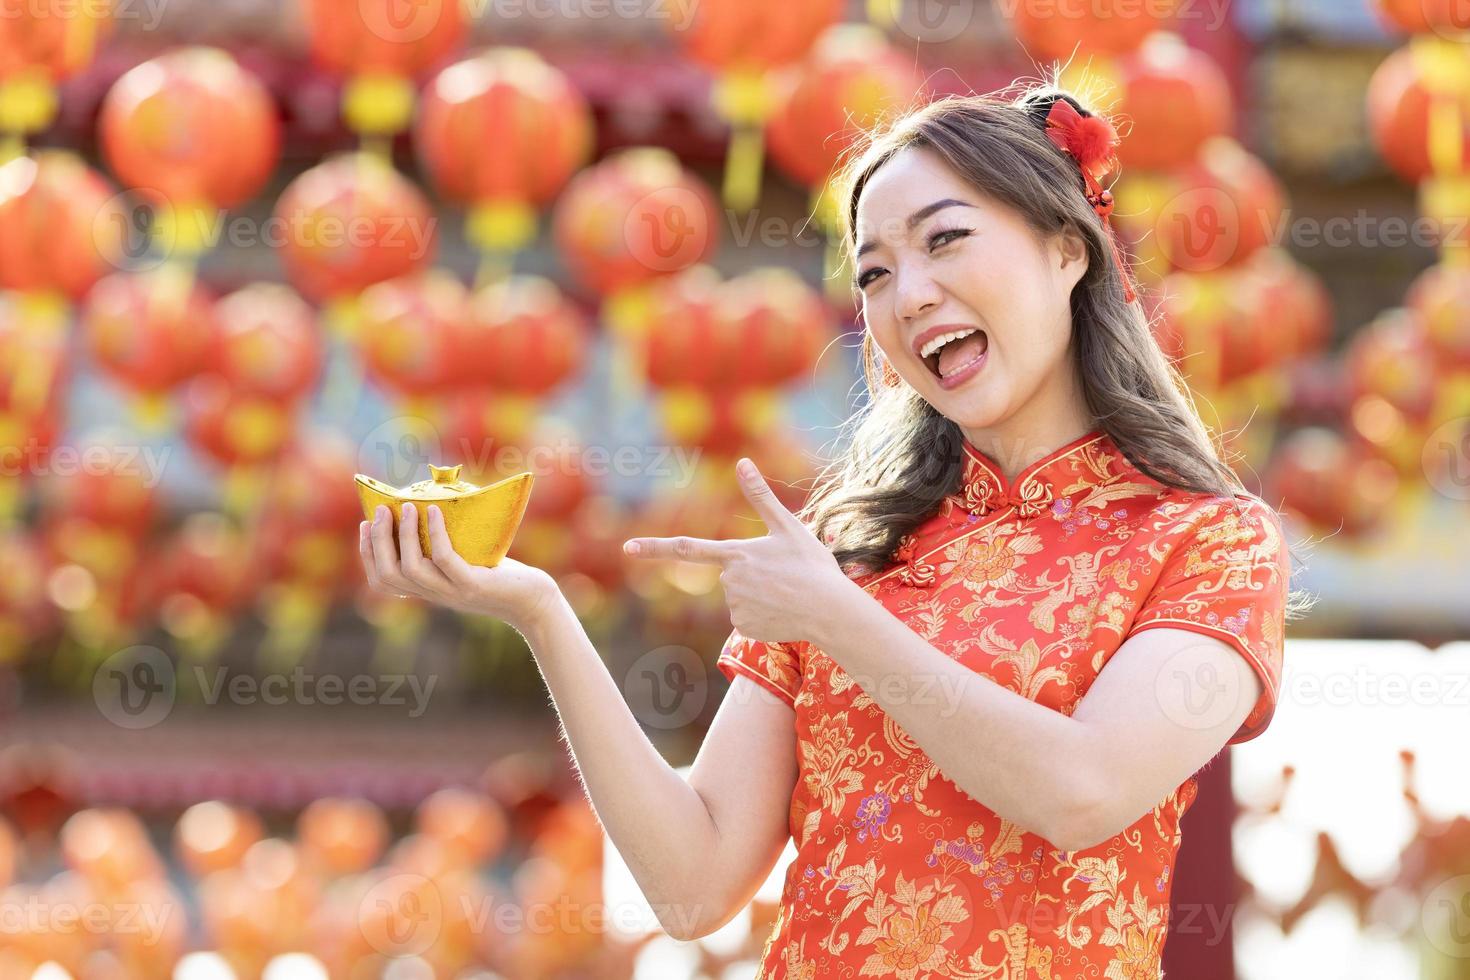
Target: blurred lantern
point(1105, 27)
point(193, 133)
point(1391, 358)
point(206, 575)
point(61, 227)
point(1176, 97)
point(1331, 483)
point(41, 44)
point(471, 825)
point(1215, 327)
point(109, 848)
point(149, 331)
point(114, 490)
point(762, 329)
point(741, 41)
point(1441, 298)
point(213, 835)
point(1293, 298)
point(342, 835)
point(408, 330)
point(353, 221)
point(520, 340)
point(1419, 108)
point(240, 432)
point(502, 133)
point(1219, 210)
point(1418, 16)
point(633, 217)
point(267, 342)
point(380, 46)
point(851, 81)
point(25, 613)
point(722, 423)
point(9, 853)
point(33, 364)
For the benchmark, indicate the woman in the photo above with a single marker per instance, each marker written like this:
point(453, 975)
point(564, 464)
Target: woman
point(975, 676)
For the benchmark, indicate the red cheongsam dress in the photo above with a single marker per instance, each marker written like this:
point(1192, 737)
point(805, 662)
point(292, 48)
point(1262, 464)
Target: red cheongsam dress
point(1035, 585)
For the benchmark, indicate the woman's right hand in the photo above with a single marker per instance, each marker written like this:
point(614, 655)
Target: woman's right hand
point(512, 591)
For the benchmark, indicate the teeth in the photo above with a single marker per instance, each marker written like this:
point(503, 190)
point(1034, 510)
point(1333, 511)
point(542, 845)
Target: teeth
point(943, 339)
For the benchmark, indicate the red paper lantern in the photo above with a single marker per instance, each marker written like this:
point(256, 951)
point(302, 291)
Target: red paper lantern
point(1333, 484)
point(116, 489)
point(521, 336)
point(1215, 328)
point(502, 131)
point(193, 128)
point(313, 488)
point(408, 331)
point(1106, 27)
point(342, 835)
point(470, 824)
point(52, 40)
point(25, 613)
point(33, 379)
point(1222, 208)
point(761, 329)
point(1441, 297)
point(1419, 16)
point(1391, 358)
point(206, 572)
point(754, 35)
point(1295, 303)
point(212, 836)
point(1405, 91)
point(633, 217)
point(267, 342)
point(61, 226)
point(852, 79)
point(351, 222)
point(236, 428)
point(383, 37)
point(1176, 98)
point(150, 331)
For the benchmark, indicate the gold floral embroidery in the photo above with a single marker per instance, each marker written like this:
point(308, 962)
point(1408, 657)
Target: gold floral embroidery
point(1082, 552)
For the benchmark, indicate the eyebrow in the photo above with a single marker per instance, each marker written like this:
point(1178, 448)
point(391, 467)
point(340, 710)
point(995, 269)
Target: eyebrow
point(917, 217)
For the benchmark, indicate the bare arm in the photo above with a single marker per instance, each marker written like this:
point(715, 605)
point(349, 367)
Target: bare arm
point(699, 849)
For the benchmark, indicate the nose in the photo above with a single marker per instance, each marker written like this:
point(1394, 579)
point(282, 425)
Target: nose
point(916, 293)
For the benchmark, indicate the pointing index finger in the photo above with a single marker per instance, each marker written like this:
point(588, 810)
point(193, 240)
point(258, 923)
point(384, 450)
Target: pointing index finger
point(681, 549)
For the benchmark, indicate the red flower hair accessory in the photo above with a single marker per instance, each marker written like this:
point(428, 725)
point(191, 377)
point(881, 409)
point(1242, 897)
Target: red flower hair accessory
point(1092, 142)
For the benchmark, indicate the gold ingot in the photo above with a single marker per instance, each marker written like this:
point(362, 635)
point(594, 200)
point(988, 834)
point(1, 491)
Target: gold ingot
point(481, 521)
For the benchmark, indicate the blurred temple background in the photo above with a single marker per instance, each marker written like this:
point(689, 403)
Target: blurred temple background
point(251, 248)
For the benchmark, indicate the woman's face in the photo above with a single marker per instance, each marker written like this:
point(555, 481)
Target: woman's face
point(968, 265)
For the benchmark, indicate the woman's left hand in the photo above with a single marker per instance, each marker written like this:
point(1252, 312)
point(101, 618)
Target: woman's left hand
point(783, 587)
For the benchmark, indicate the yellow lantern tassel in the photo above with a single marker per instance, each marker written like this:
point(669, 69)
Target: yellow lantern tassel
point(745, 99)
point(343, 383)
point(626, 314)
point(883, 13)
point(376, 106)
point(27, 102)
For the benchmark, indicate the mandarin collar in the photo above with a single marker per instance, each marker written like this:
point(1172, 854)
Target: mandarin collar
point(1060, 473)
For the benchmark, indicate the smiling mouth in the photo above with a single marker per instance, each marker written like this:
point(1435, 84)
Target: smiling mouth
point(957, 354)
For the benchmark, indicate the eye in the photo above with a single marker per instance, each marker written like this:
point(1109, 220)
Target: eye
point(944, 236)
point(866, 276)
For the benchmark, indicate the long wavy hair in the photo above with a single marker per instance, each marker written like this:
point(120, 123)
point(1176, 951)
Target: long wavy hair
point(902, 456)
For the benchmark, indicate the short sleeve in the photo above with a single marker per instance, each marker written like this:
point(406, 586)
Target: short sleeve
point(1227, 575)
point(774, 666)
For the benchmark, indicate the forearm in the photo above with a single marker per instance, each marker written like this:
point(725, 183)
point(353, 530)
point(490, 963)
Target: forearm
point(1022, 759)
point(658, 822)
